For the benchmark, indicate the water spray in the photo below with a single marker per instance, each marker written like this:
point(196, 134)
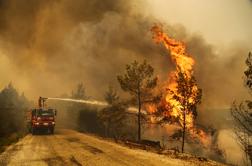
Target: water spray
point(92, 102)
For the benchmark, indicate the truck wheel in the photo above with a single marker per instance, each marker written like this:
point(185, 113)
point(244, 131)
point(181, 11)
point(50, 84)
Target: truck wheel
point(33, 131)
point(28, 128)
point(52, 130)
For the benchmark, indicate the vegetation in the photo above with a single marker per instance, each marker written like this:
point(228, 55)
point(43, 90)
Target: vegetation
point(79, 92)
point(242, 115)
point(111, 121)
point(185, 94)
point(138, 81)
point(80, 114)
point(12, 115)
point(114, 117)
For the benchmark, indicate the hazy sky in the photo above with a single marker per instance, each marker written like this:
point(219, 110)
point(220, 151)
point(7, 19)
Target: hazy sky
point(219, 21)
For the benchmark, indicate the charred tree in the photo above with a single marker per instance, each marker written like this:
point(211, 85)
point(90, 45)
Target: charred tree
point(138, 81)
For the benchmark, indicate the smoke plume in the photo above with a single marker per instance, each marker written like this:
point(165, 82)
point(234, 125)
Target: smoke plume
point(47, 47)
point(52, 44)
point(49, 44)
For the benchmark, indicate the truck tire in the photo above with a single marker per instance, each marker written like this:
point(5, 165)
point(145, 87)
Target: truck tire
point(52, 130)
point(33, 131)
point(29, 127)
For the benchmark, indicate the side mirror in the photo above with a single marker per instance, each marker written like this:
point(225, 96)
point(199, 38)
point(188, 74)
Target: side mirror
point(55, 112)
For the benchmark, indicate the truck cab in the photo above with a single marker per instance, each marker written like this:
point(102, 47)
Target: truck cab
point(42, 119)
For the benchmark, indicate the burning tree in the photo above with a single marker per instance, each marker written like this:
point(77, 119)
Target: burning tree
point(182, 95)
point(138, 81)
point(185, 97)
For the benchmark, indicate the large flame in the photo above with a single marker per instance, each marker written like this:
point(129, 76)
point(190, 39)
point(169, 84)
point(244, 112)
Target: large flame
point(184, 64)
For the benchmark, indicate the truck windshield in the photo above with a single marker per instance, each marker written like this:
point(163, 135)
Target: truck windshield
point(45, 112)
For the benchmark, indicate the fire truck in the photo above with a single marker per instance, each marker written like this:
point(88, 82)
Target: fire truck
point(41, 118)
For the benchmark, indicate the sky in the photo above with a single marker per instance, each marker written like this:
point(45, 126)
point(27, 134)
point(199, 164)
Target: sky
point(221, 22)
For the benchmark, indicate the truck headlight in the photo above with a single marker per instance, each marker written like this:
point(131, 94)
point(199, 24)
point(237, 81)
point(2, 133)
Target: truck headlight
point(37, 123)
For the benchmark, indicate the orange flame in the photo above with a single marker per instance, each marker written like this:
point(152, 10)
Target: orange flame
point(177, 49)
point(184, 64)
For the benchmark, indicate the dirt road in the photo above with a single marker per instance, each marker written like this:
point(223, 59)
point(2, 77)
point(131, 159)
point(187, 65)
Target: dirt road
point(69, 147)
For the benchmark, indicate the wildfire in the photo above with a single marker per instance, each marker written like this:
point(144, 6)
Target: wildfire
point(183, 60)
point(184, 65)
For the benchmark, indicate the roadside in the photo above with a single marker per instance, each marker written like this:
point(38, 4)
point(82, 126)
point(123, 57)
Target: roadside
point(7, 141)
point(68, 147)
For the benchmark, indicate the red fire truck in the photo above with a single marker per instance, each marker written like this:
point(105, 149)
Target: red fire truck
point(41, 118)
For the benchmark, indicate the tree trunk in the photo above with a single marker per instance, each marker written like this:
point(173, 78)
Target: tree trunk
point(184, 129)
point(108, 129)
point(139, 116)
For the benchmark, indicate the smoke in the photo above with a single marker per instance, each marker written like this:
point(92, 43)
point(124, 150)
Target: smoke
point(50, 44)
point(47, 46)
point(227, 142)
point(58, 43)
